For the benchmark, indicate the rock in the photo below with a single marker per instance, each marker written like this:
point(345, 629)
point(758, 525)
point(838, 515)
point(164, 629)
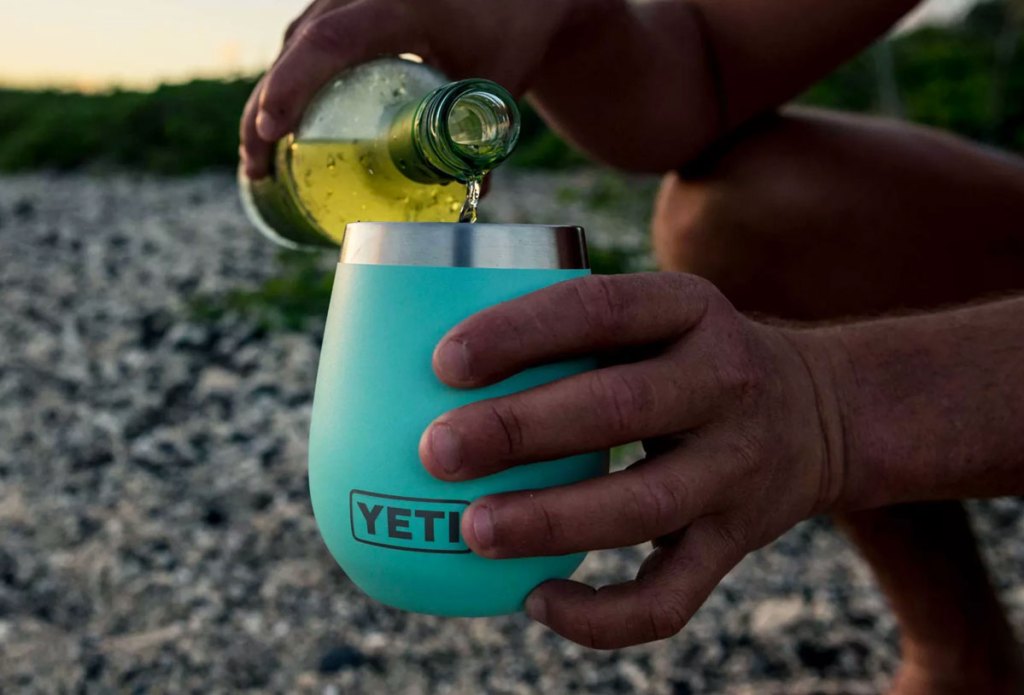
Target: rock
point(153, 327)
point(24, 209)
point(156, 528)
point(681, 688)
point(774, 615)
point(817, 657)
point(8, 568)
point(191, 336)
point(163, 455)
point(632, 674)
point(339, 658)
point(1015, 598)
point(216, 381)
point(94, 454)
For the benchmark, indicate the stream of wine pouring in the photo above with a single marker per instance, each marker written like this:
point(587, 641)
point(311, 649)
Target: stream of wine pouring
point(468, 213)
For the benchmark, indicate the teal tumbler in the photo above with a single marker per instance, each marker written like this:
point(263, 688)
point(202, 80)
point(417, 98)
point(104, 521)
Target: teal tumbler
point(393, 527)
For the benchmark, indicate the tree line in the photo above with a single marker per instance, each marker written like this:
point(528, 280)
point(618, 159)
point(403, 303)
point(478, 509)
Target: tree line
point(967, 78)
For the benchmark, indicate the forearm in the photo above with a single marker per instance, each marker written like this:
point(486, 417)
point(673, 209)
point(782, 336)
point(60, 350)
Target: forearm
point(925, 407)
point(649, 86)
point(630, 85)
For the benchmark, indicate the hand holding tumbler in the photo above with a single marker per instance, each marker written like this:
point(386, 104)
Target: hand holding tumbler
point(393, 527)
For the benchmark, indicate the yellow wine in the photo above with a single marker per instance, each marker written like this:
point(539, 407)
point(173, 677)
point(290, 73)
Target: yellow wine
point(339, 182)
point(386, 141)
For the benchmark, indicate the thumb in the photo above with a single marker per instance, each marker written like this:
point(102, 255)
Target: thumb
point(326, 46)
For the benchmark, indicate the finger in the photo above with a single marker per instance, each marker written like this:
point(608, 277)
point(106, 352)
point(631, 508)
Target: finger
point(581, 413)
point(636, 505)
point(655, 605)
point(582, 316)
point(314, 9)
point(324, 46)
point(255, 152)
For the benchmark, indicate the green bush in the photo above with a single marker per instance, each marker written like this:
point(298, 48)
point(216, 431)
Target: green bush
point(298, 295)
point(952, 77)
point(175, 129)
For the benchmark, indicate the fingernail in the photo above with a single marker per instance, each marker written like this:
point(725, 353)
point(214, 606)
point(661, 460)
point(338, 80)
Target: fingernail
point(483, 527)
point(267, 126)
point(453, 360)
point(536, 608)
point(445, 448)
point(255, 169)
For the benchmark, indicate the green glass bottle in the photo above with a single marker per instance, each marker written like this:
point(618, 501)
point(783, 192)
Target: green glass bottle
point(387, 141)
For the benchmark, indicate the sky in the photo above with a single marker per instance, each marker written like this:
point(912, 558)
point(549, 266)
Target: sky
point(97, 44)
point(93, 44)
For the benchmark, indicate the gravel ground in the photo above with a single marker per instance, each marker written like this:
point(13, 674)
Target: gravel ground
point(156, 532)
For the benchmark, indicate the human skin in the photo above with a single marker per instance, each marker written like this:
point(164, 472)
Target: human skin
point(869, 216)
point(679, 82)
point(667, 77)
point(749, 428)
point(816, 215)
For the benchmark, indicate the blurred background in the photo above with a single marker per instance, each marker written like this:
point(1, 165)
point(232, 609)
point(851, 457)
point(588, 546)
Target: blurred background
point(157, 360)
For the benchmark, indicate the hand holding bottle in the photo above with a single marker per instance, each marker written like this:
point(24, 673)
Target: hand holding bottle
point(504, 42)
point(645, 86)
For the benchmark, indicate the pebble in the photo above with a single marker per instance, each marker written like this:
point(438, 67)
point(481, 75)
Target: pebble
point(339, 658)
point(775, 615)
point(156, 530)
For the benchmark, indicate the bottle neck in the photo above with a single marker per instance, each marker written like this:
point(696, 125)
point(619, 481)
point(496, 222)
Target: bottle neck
point(457, 132)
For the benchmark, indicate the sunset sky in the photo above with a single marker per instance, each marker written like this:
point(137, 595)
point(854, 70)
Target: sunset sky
point(95, 44)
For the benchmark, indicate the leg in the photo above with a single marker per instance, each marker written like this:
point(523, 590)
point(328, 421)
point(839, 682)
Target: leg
point(815, 217)
point(955, 635)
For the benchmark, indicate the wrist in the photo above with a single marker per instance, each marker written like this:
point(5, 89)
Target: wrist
point(866, 449)
point(921, 407)
point(821, 358)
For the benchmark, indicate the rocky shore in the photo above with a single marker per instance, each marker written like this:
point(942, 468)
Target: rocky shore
point(155, 529)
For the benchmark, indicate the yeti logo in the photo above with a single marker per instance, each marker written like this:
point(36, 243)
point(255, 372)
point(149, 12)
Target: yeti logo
point(407, 523)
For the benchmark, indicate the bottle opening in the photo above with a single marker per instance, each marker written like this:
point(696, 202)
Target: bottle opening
point(464, 129)
point(480, 125)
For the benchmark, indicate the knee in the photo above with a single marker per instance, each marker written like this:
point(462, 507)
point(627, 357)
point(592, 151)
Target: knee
point(751, 216)
point(697, 229)
point(678, 222)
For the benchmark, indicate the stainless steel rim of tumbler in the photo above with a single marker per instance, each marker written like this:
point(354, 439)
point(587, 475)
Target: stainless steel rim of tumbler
point(465, 245)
